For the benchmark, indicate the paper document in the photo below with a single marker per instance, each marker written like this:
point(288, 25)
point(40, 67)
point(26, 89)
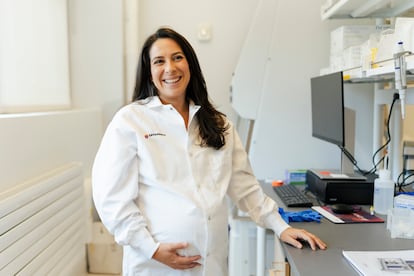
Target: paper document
point(373, 263)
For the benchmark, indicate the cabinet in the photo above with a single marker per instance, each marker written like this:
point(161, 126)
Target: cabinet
point(366, 8)
point(381, 74)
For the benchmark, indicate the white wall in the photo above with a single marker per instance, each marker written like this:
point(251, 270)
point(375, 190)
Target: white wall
point(96, 55)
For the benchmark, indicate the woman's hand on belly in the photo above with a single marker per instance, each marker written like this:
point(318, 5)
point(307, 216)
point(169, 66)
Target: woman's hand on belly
point(167, 254)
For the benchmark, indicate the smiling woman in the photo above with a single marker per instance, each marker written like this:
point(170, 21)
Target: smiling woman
point(34, 61)
point(166, 166)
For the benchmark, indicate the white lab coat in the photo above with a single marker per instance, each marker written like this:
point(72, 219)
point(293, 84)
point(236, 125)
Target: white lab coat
point(154, 183)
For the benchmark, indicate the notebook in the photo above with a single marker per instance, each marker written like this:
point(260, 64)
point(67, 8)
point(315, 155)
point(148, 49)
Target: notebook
point(358, 216)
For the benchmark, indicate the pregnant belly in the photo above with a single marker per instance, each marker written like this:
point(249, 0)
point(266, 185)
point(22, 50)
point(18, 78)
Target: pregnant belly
point(182, 227)
point(173, 218)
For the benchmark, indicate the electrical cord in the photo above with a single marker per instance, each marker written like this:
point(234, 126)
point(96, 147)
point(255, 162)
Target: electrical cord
point(375, 164)
point(402, 179)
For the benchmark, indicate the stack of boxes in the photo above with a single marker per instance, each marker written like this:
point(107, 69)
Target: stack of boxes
point(346, 46)
point(359, 45)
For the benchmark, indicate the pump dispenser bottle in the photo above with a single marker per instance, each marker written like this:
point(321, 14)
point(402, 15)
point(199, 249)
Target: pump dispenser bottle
point(383, 192)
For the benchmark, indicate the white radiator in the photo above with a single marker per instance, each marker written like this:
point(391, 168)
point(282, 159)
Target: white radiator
point(43, 225)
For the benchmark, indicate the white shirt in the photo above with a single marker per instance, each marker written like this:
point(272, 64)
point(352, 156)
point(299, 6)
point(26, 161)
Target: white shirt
point(154, 183)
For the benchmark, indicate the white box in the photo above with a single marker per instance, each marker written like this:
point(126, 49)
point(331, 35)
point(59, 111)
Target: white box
point(404, 201)
point(336, 62)
point(104, 254)
point(351, 35)
point(352, 57)
point(400, 223)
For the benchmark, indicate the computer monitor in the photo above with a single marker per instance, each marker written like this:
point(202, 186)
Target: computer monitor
point(331, 120)
point(328, 108)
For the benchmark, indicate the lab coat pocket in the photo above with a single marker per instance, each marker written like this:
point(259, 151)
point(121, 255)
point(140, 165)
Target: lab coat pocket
point(211, 168)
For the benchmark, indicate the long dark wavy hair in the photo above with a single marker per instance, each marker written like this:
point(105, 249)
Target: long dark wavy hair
point(212, 124)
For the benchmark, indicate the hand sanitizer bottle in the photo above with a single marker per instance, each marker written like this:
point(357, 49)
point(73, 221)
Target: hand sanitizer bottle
point(384, 189)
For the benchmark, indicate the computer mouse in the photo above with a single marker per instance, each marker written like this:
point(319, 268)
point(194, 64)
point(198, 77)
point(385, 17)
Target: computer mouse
point(341, 208)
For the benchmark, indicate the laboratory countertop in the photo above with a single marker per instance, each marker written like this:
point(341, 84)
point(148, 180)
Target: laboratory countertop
point(339, 237)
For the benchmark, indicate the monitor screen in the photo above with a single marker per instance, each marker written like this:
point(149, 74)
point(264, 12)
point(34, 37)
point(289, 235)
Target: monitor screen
point(328, 108)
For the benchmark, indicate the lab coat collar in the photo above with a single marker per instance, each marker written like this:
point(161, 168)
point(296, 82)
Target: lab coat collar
point(155, 102)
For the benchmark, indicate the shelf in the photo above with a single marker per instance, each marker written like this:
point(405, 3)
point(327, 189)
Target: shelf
point(366, 8)
point(384, 72)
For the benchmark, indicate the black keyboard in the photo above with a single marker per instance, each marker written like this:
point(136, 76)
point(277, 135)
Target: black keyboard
point(291, 196)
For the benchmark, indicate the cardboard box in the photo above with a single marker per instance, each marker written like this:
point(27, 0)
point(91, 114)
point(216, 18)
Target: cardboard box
point(104, 254)
point(276, 272)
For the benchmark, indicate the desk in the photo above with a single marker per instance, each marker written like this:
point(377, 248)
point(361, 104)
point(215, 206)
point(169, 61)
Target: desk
point(359, 236)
